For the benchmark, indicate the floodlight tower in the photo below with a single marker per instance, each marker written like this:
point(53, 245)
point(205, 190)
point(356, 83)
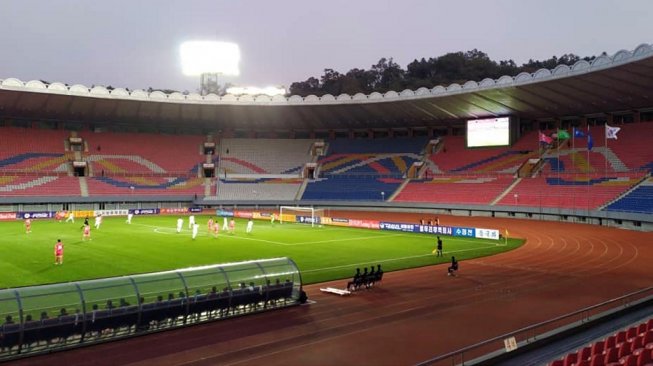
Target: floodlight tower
point(209, 59)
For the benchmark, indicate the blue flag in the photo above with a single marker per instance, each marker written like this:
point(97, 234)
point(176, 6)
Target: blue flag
point(578, 133)
point(590, 142)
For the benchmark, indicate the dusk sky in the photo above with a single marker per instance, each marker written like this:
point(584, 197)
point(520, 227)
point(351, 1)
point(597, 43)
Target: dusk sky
point(135, 43)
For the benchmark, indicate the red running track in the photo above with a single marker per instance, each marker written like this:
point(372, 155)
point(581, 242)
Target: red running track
point(414, 314)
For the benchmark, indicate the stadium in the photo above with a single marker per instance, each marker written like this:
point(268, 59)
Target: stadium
point(538, 183)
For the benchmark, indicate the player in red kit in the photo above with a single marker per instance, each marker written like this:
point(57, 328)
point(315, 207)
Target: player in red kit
point(58, 252)
point(28, 226)
point(87, 233)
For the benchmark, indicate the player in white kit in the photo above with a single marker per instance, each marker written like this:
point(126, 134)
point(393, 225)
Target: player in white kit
point(191, 221)
point(129, 217)
point(196, 228)
point(71, 217)
point(180, 223)
point(250, 226)
point(98, 221)
point(225, 224)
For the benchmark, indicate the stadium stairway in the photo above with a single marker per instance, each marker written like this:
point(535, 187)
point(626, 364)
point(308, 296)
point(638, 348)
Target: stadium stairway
point(207, 187)
point(505, 193)
point(302, 189)
point(398, 190)
point(83, 186)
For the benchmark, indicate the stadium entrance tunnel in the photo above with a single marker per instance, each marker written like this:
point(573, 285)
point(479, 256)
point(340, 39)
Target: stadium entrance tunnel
point(41, 319)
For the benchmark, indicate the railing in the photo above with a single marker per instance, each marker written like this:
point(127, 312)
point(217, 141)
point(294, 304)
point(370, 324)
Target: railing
point(534, 332)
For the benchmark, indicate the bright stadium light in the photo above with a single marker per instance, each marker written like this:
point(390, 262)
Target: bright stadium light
point(253, 90)
point(209, 57)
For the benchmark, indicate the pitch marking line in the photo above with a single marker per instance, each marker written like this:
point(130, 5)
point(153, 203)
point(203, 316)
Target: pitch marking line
point(351, 265)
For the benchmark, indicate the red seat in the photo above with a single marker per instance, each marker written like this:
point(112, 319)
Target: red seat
point(644, 357)
point(621, 337)
point(570, 359)
point(597, 360)
point(642, 328)
point(611, 355)
point(631, 333)
point(648, 339)
point(556, 363)
point(597, 348)
point(584, 354)
point(629, 360)
point(610, 342)
point(649, 324)
point(624, 350)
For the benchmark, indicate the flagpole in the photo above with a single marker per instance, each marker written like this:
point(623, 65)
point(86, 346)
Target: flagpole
point(588, 171)
point(573, 146)
point(605, 135)
point(573, 160)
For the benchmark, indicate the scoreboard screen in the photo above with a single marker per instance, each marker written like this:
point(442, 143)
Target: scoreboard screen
point(488, 132)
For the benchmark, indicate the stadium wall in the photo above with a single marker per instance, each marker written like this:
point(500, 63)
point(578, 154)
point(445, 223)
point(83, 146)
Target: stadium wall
point(631, 221)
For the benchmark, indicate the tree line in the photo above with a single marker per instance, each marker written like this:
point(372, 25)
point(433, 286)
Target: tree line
point(454, 67)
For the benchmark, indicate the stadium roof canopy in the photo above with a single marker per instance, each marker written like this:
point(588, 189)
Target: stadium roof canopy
point(623, 81)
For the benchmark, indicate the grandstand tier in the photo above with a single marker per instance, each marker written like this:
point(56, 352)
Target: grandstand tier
point(143, 153)
point(265, 156)
point(452, 189)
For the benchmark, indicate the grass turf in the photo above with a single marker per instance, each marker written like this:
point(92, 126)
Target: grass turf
point(151, 244)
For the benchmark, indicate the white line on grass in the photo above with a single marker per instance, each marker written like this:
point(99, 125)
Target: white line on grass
point(171, 231)
point(383, 261)
point(347, 239)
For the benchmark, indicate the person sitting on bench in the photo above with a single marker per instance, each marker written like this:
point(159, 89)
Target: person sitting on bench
point(354, 280)
point(453, 267)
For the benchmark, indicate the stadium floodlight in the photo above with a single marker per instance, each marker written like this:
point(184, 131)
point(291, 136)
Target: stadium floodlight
point(209, 57)
point(253, 90)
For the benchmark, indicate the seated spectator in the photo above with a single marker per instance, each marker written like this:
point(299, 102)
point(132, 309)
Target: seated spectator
point(453, 267)
point(9, 320)
point(44, 315)
point(63, 312)
point(362, 280)
point(379, 273)
point(354, 280)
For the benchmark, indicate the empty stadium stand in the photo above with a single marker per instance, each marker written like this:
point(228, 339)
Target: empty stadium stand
point(456, 158)
point(629, 347)
point(363, 169)
point(37, 185)
point(452, 189)
point(143, 153)
point(574, 191)
point(100, 186)
point(259, 189)
point(639, 199)
point(265, 156)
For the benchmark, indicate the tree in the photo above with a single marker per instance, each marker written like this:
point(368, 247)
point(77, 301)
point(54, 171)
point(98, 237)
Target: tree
point(453, 67)
point(305, 88)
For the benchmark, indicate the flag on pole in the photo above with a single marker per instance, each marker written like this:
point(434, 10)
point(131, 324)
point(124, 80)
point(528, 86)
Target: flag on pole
point(506, 242)
point(611, 132)
point(544, 138)
point(578, 133)
point(590, 142)
point(563, 135)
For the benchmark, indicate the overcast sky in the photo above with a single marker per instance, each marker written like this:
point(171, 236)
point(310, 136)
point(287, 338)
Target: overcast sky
point(135, 43)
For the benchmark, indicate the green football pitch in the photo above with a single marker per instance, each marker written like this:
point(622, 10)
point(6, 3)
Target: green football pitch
point(152, 244)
